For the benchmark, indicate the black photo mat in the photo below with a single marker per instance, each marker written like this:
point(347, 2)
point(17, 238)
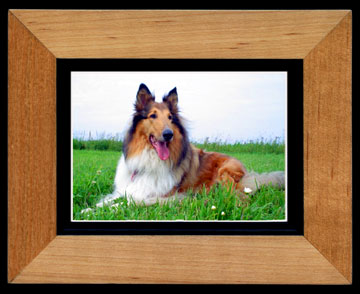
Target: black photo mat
point(294, 172)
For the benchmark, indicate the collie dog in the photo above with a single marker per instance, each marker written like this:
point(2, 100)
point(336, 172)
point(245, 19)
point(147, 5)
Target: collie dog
point(158, 162)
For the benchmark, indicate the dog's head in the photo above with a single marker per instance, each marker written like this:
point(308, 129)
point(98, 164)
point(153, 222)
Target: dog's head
point(157, 124)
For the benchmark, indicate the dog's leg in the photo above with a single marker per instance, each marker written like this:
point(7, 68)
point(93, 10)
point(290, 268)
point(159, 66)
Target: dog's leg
point(230, 175)
point(160, 200)
point(109, 199)
point(231, 172)
point(254, 180)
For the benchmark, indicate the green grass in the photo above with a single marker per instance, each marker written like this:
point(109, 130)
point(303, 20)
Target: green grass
point(93, 176)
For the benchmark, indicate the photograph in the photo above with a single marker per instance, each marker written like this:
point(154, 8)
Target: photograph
point(179, 146)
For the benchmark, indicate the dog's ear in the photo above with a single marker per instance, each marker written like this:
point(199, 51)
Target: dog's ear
point(172, 100)
point(143, 97)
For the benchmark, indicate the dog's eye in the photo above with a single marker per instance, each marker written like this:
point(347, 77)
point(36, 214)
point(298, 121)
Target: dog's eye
point(170, 117)
point(153, 115)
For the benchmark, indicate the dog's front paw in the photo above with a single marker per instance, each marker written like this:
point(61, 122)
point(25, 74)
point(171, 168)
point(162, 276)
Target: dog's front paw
point(86, 210)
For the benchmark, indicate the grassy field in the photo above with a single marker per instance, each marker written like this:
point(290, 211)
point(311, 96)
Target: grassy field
point(94, 171)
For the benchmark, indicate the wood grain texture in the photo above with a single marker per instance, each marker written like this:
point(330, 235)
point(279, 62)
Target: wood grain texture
point(31, 147)
point(180, 259)
point(327, 144)
point(179, 34)
point(321, 38)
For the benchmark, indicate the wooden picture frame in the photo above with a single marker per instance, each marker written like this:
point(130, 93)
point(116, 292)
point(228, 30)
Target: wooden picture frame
point(323, 39)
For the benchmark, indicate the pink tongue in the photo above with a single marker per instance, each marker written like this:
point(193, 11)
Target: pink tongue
point(162, 150)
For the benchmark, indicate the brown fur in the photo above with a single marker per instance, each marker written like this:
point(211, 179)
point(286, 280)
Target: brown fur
point(212, 168)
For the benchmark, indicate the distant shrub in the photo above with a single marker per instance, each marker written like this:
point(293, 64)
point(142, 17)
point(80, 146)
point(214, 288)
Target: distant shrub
point(102, 144)
point(258, 146)
point(78, 144)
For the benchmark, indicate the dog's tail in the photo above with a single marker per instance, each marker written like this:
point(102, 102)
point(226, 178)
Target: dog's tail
point(254, 181)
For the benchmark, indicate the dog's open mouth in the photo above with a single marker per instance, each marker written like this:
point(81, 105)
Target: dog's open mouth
point(162, 148)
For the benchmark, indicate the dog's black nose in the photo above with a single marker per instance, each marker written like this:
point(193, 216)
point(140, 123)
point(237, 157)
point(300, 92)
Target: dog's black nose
point(167, 135)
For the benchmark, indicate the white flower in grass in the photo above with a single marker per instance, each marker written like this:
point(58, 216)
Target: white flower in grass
point(98, 172)
point(247, 190)
point(213, 207)
point(93, 182)
point(222, 213)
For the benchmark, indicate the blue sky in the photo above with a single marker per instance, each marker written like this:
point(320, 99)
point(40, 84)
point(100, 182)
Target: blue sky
point(227, 106)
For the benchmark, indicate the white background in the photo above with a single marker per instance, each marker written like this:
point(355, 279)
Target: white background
point(226, 106)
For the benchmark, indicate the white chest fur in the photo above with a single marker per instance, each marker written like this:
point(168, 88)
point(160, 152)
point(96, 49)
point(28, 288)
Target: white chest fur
point(144, 178)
